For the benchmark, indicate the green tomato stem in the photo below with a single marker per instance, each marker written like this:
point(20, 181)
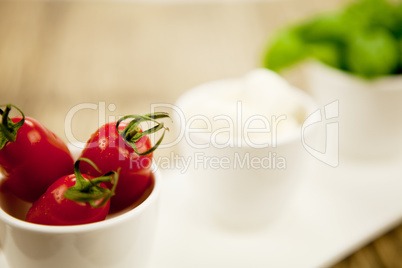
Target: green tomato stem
point(9, 129)
point(90, 190)
point(132, 132)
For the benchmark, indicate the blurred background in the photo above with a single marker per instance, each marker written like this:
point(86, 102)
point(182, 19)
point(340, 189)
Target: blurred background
point(55, 55)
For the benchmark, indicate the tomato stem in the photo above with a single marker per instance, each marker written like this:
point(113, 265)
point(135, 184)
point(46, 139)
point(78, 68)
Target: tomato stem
point(132, 132)
point(9, 129)
point(90, 190)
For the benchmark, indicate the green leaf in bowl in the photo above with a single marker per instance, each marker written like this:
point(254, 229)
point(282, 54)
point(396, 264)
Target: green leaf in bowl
point(324, 28)
point(399, 70)
point(372, 53)
point(371, 14)
point(285, 49)
point(327, 52)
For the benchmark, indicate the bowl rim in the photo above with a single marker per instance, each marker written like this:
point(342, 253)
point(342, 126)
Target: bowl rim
point(388, 82)
point(8, 219)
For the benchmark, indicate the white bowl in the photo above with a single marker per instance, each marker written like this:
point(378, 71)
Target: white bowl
point(238, 185)
point(118, 242)
point(370, 111)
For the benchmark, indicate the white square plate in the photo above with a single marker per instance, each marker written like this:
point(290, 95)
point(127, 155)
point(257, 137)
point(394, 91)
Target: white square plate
point(337, 211)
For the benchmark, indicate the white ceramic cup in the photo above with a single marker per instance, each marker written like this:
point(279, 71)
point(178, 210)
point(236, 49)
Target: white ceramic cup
point(241, 187)
point(123, 241)
point(370, 111)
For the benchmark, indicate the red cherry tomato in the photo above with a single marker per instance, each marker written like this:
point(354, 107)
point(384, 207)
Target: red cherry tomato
point(124, 146)
point(31, 156)
point(73, 200)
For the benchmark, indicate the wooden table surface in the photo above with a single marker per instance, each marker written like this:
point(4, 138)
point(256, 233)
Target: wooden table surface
point(123, 56)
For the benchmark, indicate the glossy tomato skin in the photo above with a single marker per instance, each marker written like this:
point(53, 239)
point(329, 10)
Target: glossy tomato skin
point(52, 208)
point(109, 151)
point(34, 160)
